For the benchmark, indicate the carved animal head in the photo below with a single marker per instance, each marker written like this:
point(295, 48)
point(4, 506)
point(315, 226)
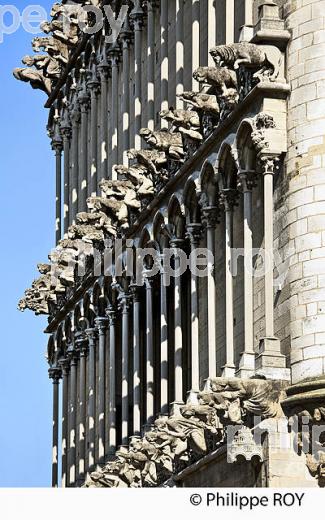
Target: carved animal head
point(46, 27)
point(28, 60)
point(217, 55)
point(200, 74)
point(39, 43)
point(120, 169)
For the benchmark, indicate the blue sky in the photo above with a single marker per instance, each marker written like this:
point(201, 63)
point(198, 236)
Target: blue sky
point(27, 235)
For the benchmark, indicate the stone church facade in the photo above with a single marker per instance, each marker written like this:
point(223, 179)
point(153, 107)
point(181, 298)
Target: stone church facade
point(193, 131)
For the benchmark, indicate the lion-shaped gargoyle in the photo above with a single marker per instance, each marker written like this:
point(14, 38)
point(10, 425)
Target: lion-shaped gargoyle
point(266, 59)
point(220, 78)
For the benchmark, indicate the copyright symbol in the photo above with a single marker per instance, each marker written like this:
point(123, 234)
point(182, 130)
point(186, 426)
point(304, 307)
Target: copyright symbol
point(196, 499)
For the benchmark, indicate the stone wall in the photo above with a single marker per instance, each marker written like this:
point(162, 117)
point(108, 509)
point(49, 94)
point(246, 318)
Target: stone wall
point(301, 209)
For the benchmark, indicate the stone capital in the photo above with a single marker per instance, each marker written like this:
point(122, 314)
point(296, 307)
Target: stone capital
point(246, 180)
point(65, 366)
point(101, 324)
point(194, 233)
point(111, 315)
point(210, 216)
point(137, 15)
point(268, 163)
point(228, 198)
point(104, 68)
point(55, 373)
point(91, 335)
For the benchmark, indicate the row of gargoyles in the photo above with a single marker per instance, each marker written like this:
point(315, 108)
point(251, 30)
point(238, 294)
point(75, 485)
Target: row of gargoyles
point(44, 70)
point(178, 440)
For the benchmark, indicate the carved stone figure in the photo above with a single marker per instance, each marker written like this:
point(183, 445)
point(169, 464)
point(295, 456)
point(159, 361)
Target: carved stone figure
point(49, 66)
point(99, 220)
point(86, 232)
point(187, 122)
point(35, 78)
point(139, 176)
point(151, 159)
point(164, 141)
point(201, 102)
point(53, 47)
point(220, 78)
point(265, 58)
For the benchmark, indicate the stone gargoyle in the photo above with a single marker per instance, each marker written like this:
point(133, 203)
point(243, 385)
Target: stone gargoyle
point(153, 160)
point(140, 178)
point(220, 79)
point(118, 197)
point(99, 220)
point(235, 398)
point(53, 46)
point(36, 79)
point(164, 141)
point(187, 122)
point(202, 103)
point(266, 59)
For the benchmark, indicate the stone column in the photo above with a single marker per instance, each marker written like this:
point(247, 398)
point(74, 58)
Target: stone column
point(75, 118)
point(304, 288)
point(194, 232)
point(270, 362)
point(195, 39)
point(247, 359)
point(229, 197)
point(150, 396)
point(101, 326)
point(163, 341)
point(65, 366)
point(91, 334)
point(111, 313)
point(103, 69)
point(136, 361)
point(83, 99)
point(176, 244)
point(230, 21)
point(136, 16)
point(82, 345)
point(248, 12)
point(126, 36)
point(210, 216)
point(125, 307)
point(114, 55)
point(57, 147)
point(55, 374)
point(151, 64)
point(212, 29)
point(93, 85)
point(164, 62)
point(66, 134)
point(72, 455)
point(179, 52)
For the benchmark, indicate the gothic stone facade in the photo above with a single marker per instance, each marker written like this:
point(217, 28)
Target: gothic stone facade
point(200, 126)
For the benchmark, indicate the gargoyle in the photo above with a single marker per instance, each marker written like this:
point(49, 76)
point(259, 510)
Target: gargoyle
point(187, 122)
point(35, 78)
point(98, 219)
point(50, 67)
point(153, 160)
point(266, 58)
point(140, 178)
point(86, 232)
point(164, 141)
point(220, 78)
point(117, 203)
point(202, 103)
point(57, 28)
point(53, 47)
